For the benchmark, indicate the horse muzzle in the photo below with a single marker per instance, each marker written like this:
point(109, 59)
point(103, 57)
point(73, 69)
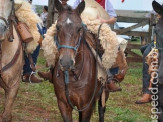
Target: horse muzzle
point(66, 63)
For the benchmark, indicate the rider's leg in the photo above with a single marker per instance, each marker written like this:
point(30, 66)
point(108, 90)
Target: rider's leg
point(146, 78)
point(27, 71)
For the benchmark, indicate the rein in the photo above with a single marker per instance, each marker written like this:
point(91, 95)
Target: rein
point(67, 46)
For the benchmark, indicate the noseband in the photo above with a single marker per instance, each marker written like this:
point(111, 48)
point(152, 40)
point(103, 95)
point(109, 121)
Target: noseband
point(67, 46)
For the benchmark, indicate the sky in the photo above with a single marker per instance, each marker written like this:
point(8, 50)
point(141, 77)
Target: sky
point(145, 5)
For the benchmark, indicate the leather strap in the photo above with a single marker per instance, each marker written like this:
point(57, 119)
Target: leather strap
point(32, 65)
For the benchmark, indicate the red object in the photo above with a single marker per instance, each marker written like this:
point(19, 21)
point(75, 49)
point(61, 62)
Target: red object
point(98, 1)
point(101, 2)
point(123, 1)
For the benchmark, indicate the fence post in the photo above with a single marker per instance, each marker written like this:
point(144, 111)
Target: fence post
point(150, 27)
point(50, 13)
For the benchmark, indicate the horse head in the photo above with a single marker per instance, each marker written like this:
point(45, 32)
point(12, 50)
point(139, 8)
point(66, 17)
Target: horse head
point(5, 9)
point(69, 33)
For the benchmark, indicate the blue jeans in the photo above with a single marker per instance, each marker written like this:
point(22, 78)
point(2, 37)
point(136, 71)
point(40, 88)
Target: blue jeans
point(114, 71)
point(40, 30)
point(146, 76)
point(44, 29)
point(26, 68)
point(111, 72)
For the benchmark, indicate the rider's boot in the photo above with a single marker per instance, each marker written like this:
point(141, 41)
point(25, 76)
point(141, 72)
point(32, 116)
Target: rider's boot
point(111, 86)
point(32, 78)
point(146, 98)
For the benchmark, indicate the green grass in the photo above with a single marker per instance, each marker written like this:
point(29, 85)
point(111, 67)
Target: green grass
point(37, 102)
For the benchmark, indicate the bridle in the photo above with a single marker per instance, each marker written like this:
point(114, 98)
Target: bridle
point(9, 22)
point(75, 48)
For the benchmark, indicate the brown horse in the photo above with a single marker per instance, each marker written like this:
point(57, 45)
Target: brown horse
point(11, 59)
point(74, 75)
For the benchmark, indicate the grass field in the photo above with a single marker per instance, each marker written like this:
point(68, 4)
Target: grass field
point(37, 102)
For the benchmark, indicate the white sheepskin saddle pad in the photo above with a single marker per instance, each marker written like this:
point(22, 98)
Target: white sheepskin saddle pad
point(24, 13)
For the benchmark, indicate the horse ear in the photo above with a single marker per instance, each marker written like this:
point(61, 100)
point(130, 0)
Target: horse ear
point(80, 7)
point(58, 6)
point(157, 7)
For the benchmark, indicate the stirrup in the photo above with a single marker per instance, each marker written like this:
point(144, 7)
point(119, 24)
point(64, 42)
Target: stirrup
point(31, 76)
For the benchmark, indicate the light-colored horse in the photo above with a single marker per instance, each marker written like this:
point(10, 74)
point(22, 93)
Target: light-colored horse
point(11, 60)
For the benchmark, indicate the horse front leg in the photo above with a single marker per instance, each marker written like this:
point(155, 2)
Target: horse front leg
point(10, 95)
point(66, 111)
point(102, 109)
point(85, 115)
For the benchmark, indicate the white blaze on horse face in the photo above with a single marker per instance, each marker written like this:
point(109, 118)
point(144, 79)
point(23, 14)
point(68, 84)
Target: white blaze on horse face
point(5, 9)
point(68, 21)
